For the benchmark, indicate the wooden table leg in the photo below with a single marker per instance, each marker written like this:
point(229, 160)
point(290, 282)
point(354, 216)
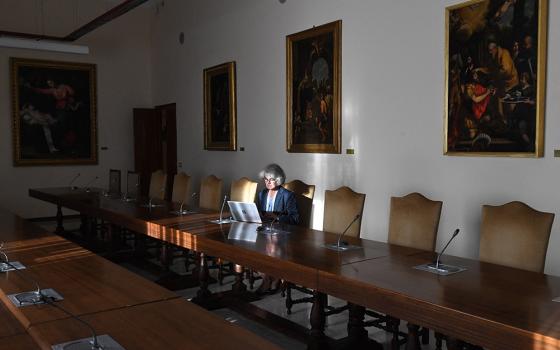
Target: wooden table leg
point(238, 286)
point(356, 330)
point(165, 257)
point(317, 338)
point(452, 343)
point(395, 341)
point(412, 342)
point(59, 227)
point(203, 276)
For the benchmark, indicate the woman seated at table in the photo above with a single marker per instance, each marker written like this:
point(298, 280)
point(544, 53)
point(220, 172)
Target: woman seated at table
point(275, 202)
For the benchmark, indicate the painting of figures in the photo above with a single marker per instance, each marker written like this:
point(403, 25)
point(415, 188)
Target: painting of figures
point(220, 121)
point(313, 89)
point(495, 70)
point(53, 112)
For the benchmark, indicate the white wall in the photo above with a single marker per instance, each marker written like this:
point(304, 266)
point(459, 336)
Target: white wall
point(121, 51)
point(392, 102)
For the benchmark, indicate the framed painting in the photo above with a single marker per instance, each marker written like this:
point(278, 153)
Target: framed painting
point(313, 89)
point(495, 78)
point(220, 120)
point(53, 112)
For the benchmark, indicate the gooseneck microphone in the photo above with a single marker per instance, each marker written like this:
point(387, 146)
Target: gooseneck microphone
point(346, 230)
point(71, 182)
point(455, 233)
point(33, 297)
point(93, 344)
point(89, 183)
point(223, 205)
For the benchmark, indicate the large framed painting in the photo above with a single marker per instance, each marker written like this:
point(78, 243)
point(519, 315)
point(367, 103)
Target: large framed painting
point(313, 89)
point(495, 78)
point(53, 112)
point(220, 120)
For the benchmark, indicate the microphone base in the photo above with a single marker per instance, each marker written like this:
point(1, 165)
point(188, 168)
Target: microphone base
point(182, 212)
point(31, 298)
point(128, 199)
point(442, 269)
point(341, 248)
point(73, 188)
point(16, 266)
point(223, 221)
point(105, 342)
point(150, 206)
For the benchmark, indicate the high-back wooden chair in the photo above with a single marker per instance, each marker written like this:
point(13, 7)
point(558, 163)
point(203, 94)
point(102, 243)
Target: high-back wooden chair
point(304, 198)
point(515, 235)
point(414, 221)
point(210, 193)
point(243, 190)
point(181, 188)
point(132, 184)
point(158, 183)
point(114, 182)
point(341, 207)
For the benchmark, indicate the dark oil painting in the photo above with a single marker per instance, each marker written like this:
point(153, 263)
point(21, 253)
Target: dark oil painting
point(313, 89)
point(54, 112)
point(219, 108)
point(495, 78)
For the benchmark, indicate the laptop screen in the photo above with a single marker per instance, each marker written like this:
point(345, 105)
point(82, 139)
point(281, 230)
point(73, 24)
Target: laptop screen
point(244, 211)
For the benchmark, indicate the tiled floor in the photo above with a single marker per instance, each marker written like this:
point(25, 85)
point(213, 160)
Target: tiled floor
point(335, 328)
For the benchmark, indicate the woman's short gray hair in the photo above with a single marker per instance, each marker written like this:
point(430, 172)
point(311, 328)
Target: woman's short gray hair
point(274, 171)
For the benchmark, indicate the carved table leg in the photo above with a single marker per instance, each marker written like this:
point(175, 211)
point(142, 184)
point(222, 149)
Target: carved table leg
point(317, 319)
point(165, 256)
point(203, 276)
point(395, 323)
point(238, 286)
point(59, 227)
point(412, 342)
point(356, 330)
point(452, 343)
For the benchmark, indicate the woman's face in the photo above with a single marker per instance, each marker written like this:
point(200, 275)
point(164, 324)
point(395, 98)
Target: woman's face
point(270, 182)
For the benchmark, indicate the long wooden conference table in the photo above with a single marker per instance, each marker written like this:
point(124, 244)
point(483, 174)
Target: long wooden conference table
point(135, 312)
point(492, 306)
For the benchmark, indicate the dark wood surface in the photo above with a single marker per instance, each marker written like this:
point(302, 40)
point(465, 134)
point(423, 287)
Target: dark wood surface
point(18, 342)
point(488, 305)
point(88, 284)
point(173, 324)
point(10, 326)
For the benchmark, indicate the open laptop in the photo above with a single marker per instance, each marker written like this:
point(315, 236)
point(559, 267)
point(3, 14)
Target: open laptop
point(244, 211)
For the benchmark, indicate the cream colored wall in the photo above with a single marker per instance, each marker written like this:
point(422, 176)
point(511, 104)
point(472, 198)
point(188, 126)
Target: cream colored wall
point(392, 103)
point(121, 51)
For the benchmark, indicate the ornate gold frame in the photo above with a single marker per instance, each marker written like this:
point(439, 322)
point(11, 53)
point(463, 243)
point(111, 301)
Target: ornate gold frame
point(209, 144)
point(540, 92)
point(336, 29)
point(15, 64)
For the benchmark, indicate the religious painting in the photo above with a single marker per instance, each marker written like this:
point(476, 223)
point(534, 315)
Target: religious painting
point(53, 112)
point(495, 78)
point(220, 121)
point(313, 89)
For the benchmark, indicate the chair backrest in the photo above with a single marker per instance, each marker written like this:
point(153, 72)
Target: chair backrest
point(211, 193)
point(304, 198)
point(341, 207)
point(158, 183)
point(181, 188)
point(114, 182)
point(132, 184)
point(243, 190)
point(515, 235)
point(414, 221)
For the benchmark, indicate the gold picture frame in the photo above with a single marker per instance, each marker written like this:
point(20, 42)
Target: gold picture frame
point(495, 70)
point(54, 106)
point(220, 110)
point(313, 75)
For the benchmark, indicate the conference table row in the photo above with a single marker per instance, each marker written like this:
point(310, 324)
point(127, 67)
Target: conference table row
point(492, 306)
point(135, 312)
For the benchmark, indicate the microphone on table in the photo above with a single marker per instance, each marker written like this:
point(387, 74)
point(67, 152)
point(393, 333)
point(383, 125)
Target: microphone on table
point(221, 220)
point(33, 297)
point(71, 182)
point(89, 183)
point(344, 245)
point(437, 264)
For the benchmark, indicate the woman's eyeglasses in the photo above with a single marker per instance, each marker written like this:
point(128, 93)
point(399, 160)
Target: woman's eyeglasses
point(269, 180)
